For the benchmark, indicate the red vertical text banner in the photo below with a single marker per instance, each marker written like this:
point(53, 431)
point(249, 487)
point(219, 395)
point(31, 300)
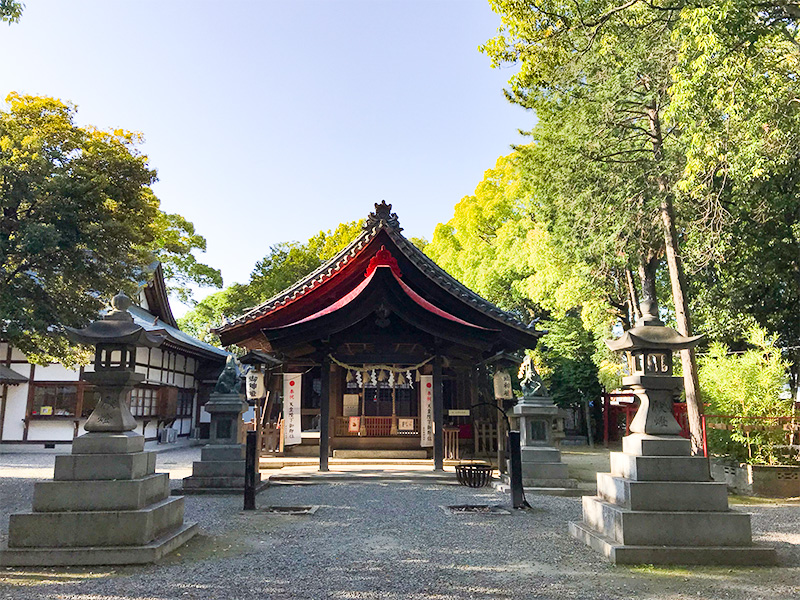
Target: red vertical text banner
point(426, 410)
point(292, 392)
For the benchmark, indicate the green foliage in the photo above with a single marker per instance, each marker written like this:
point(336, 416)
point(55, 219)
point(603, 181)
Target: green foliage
point(747, 385)
point(564, 359)
point(79, 222)
point(174, 242)
point(286, 263)
point(11, 11)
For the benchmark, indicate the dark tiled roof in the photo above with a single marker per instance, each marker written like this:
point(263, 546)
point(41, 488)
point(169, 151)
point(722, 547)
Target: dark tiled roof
point(384, 219)
point(311, 281)
point(11, 377)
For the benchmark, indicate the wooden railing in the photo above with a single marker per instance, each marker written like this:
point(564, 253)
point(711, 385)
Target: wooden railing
point(376, 427)
point(485, 441)
point(451, 443)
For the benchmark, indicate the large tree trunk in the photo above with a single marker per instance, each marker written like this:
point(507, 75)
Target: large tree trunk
point(694, 407)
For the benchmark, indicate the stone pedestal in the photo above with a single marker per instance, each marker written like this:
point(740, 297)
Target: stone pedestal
point(541, 462)
point(220, 469)
point(106, 505)
point(658, 505)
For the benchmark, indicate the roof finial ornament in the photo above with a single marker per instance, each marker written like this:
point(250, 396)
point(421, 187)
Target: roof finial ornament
point(383, 214)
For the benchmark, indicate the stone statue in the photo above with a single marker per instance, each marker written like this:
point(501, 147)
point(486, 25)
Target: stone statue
point(529, 380)
point(229, 381)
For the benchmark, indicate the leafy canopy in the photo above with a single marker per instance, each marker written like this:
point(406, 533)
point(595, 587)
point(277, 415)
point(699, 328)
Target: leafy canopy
point(78, 221)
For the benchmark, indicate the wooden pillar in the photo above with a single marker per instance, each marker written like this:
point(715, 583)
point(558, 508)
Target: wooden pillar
point(438, 414)
point(324, 411)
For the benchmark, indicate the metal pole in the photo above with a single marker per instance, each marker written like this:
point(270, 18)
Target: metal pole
point(250, 472)
point(515, 458)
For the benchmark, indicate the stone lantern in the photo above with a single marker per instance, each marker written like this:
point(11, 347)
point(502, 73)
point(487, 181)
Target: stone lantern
point(658, 504)
point(542, 469)
point(648, 348)
point(106, 504)
point(115, 338)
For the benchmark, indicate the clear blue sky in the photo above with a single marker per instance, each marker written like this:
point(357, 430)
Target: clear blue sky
point(270, 121)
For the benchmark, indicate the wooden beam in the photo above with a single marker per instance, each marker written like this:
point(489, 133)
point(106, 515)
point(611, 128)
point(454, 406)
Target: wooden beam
point(324, 411)
point(438, 414)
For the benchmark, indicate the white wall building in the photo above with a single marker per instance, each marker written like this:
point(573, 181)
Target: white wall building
point(50, 404)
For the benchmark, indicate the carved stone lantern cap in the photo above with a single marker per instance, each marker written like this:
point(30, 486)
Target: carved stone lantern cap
point(116, 327)
point(650, 333)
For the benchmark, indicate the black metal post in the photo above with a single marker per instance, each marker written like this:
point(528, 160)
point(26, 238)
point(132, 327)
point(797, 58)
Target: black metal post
point(515, 458)
point(324, 411)
point(438, 414)
point(250, 469)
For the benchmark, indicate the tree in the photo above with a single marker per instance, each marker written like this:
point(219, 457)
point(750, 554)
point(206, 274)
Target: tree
point(286, 263)
point(79, 221)
point(598, 78)
point(10, 11)
point(748, 385)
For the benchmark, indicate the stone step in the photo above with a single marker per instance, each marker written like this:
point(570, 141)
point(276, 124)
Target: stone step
point(666, 528)
point(642, 444)
point(218, 468)
point(661, 495)
point(194, 482)
point(127, 442)
point(539, 470)
point(233, 452)
point(95, 528)
point(88, 467)
point(343, 453)
point(659, 468)
point(109, 555)
point(544, 454)
point(673, 555)
point(60, 496)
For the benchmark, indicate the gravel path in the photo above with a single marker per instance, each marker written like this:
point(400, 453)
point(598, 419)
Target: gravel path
point(392, 541)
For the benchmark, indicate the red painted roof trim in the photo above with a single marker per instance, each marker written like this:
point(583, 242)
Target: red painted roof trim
point(356, 292)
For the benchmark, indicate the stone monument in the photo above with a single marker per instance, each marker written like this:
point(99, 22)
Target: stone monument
point(220, 469)
point(541, 461)
point(658, 505)
point(106, 504)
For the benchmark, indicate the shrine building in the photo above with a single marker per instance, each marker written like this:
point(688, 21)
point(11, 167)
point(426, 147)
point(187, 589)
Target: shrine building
point(377, 349)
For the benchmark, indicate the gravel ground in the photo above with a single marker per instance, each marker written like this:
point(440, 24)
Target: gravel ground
point(389, 541)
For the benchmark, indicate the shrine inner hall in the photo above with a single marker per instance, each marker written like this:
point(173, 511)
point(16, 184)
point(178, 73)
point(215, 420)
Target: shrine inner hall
point(377, 348)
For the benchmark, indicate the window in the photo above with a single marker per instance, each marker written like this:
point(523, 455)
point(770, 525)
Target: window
point(185, 401)
point(144, 402)
point(90, 399)
point(54, 400)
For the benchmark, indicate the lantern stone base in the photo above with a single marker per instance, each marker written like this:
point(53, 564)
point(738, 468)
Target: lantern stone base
point(220, 470)
point(664, 509)
point(106, 505)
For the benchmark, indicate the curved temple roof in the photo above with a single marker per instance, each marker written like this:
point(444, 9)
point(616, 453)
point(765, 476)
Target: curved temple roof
point(334, 280)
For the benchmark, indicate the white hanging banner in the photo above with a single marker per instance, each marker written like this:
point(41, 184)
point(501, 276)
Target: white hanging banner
point(426, 411)
point(292, 390)
point(502, 386)
point(255, 385)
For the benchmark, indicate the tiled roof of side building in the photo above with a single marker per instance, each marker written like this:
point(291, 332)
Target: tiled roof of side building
point(150, 322)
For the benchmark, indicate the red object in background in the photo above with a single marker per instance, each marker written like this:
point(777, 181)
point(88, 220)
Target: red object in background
point(465, 431)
